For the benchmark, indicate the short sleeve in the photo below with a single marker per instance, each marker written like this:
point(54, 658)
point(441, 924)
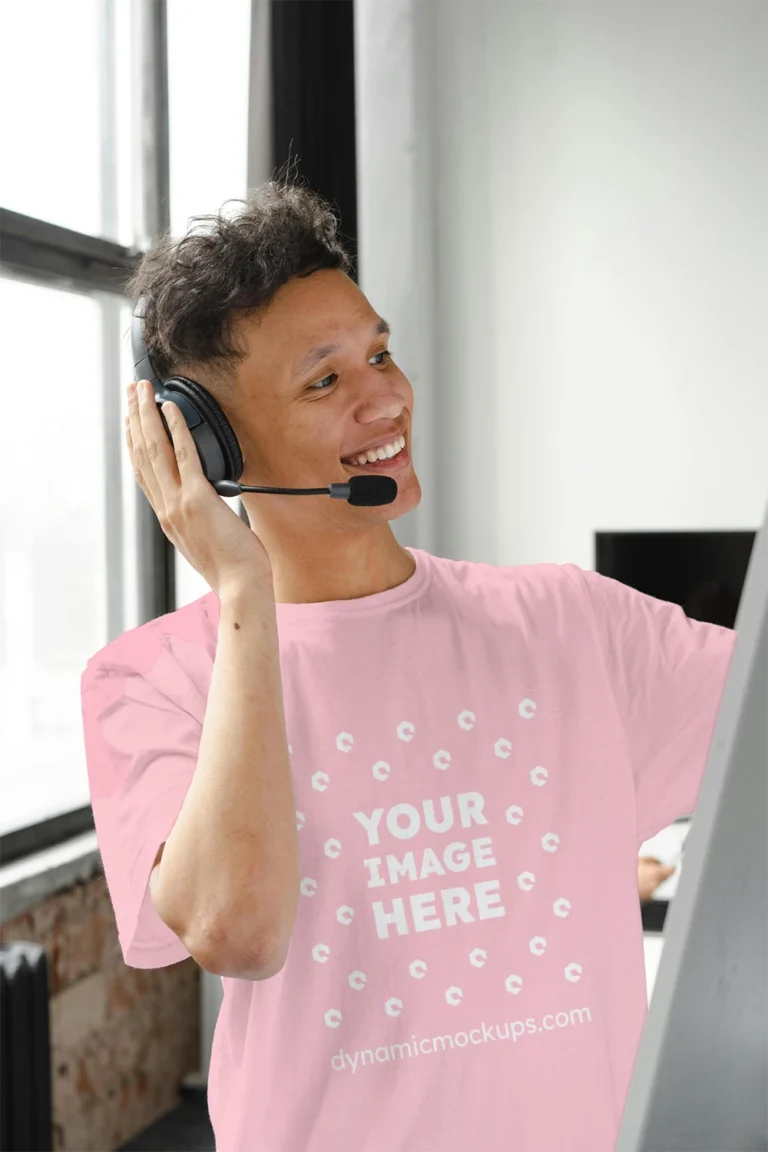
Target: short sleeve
point(141, 748)
point(667, 674)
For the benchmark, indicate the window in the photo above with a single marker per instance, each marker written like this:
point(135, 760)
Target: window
point(207, 106)
point(66, 142)
point(84, 160)
point(208, 136)
point(66, 538)
point(68, 574)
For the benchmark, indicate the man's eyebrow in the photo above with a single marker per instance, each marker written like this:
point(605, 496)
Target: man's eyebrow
point(316, 354)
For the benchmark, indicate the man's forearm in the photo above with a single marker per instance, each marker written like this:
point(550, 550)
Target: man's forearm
point(229, 874)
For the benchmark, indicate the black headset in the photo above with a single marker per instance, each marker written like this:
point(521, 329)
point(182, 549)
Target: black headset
point(220, 456)
point(217, 445)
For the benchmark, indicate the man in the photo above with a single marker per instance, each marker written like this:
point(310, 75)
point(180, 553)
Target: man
point(394, 800)
point(651, 872)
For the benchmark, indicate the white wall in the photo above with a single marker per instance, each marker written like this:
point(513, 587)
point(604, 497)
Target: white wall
point(594, 262)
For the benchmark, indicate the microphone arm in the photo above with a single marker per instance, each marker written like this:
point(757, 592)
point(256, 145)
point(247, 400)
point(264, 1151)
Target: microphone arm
point(232, 488)
point(365, 491)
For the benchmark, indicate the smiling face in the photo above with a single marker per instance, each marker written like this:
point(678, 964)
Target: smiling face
point(318, 387)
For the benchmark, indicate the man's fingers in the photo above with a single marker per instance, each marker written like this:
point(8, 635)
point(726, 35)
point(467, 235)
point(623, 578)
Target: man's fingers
point(141, 461)
point(164, 462)
point(183, 445)
point(160, 460)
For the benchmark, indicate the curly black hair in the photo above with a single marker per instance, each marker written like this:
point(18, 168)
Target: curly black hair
point(196, 287)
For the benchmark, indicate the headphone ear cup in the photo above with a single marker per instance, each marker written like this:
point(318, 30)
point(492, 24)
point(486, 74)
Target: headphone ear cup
point(217, 446)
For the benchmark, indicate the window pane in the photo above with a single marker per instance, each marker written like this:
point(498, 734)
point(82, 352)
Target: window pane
point(208, 122)
point(217, 114)
point(53, 559)
point(65, 141)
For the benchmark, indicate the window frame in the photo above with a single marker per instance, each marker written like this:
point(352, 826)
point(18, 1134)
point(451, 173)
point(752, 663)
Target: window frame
point(38, 251)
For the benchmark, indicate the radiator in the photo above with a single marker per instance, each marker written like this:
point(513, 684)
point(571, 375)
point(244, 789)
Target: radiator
point(25, 1049)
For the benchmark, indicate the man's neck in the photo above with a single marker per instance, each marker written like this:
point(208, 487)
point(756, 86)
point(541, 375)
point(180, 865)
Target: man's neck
point(339, 568)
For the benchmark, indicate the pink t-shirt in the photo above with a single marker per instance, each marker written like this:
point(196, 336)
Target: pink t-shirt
point(477, 756)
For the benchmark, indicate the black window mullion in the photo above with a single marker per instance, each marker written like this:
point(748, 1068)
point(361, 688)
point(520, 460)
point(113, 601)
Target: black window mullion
point(45, 251)
point(313, 105)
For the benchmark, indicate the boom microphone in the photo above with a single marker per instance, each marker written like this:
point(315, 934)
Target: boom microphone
point(364, 491)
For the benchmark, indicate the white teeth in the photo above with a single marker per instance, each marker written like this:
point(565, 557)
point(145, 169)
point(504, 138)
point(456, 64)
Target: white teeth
point(386, 452)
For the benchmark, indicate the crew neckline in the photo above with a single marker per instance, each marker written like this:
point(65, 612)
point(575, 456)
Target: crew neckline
point(323, 610)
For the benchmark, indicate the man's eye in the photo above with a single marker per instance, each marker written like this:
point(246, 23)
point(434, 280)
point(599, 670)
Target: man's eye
point(323, 384)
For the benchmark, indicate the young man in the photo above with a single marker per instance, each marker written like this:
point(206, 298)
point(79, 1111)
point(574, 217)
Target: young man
point(394, 800)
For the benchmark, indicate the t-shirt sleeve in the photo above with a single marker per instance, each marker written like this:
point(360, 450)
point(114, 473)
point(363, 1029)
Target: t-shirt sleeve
point(141, 748)
point(667, 673)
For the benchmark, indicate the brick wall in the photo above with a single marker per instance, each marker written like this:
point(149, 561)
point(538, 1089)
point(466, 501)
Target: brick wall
point(122, 1039)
